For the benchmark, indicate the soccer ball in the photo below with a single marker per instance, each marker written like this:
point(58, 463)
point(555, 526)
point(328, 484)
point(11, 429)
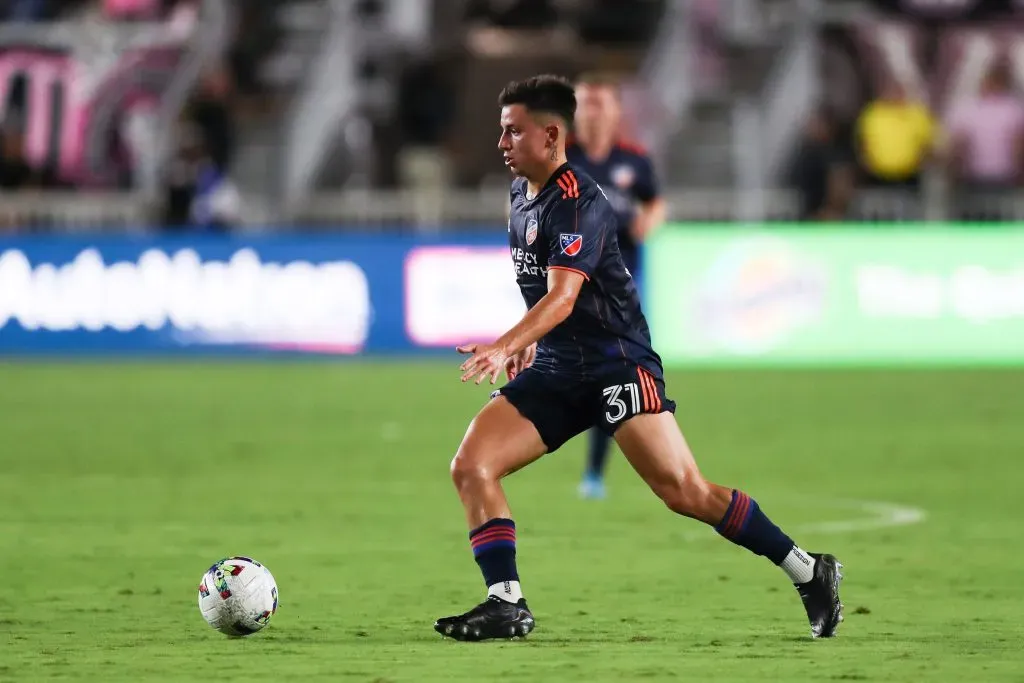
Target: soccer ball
point(237, 596)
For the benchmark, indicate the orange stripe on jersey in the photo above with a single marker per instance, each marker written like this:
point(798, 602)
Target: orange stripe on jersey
point(571, 270)
point(656, 408)
point(648, 402)
point(570, 188)
point(574, 185)
point(647, 391)
point(565, 187)
point(654, 390)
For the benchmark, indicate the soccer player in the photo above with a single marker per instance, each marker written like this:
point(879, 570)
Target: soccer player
point(581, 356)
point(625, 173)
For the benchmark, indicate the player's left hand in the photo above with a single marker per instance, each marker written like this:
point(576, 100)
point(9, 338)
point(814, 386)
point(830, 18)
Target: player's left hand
point(518, 362)
point(488, 360)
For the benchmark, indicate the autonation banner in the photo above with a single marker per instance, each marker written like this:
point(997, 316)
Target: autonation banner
point(329, 295)
point(828, 295)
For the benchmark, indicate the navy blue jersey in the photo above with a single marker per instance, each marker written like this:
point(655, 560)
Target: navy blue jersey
point(627, 177)
point(571, 224)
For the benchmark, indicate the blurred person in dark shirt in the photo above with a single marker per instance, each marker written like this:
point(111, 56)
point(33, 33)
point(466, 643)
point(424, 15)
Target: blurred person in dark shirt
point(15, 175)
point(822, 172)
point(180, 176)
point(15, 172)
point(210, 111)
point(426, 101)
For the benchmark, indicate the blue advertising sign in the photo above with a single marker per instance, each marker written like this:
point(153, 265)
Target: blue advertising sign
point(343, 294)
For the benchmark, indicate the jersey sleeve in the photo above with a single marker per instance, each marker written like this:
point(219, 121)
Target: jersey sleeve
point(646, 186)
point(575, 234)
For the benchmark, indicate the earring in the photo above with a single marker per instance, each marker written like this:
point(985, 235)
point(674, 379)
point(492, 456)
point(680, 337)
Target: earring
point(554, 154)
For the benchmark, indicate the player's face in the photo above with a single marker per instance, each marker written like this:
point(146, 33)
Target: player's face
point(597, 111)
point(525, 141)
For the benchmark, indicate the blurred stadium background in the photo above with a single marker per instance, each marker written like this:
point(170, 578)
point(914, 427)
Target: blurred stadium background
point(319, 178)
point(378, 113)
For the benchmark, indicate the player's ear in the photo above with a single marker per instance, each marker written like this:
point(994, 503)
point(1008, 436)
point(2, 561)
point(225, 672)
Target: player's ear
point(553, 134)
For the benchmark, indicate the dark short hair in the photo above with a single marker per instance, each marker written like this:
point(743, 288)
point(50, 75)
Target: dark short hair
point(546, 93)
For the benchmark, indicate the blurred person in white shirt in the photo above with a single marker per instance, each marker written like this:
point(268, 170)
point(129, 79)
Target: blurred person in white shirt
point(986, 134)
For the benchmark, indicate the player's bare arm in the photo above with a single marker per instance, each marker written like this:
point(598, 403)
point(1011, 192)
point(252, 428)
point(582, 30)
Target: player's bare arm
point(649, 217)
point(488, 360)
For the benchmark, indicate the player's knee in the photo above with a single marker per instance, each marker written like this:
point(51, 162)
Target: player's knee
point(466, 469)
point(686, 495)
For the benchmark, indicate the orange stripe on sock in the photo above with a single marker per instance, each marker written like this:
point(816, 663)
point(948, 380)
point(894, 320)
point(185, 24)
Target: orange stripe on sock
point(494, 531)
point(739, 511)
point(488, 536)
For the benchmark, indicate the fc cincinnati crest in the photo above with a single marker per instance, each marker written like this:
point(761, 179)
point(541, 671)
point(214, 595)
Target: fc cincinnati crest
point(623, 176)
point(531, 231)
point(571, 243)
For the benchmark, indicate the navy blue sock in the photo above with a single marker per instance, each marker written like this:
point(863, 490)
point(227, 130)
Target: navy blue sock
point(744, 524)
point(494, 547)
point(597, 452)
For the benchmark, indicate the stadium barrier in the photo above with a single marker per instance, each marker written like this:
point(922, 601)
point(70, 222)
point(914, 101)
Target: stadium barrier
point(715, 294)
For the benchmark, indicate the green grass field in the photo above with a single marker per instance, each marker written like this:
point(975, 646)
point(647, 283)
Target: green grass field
point(121, 483)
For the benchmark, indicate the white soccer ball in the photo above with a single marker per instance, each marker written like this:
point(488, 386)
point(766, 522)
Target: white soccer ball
point(237, 596)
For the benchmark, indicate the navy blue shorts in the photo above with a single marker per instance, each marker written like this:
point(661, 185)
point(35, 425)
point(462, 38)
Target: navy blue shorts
point(561, 406)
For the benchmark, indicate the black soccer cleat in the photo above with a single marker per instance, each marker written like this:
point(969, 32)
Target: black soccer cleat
point(492, 619)
point(821, 596)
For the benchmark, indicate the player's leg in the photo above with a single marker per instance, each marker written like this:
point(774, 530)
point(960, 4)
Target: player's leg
point(646, 430)
point(498, 442)
point(655, 447)
point(515, 428)
point(598, 446)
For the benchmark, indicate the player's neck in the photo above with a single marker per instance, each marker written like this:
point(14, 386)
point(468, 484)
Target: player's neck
point(534, 185)
point(598, 149)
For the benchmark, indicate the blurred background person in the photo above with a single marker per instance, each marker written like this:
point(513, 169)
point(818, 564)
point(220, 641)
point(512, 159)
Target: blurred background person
point(626, 174)
point(15, 171)
point(895, 138)
point(822, 173)
point(986, 141)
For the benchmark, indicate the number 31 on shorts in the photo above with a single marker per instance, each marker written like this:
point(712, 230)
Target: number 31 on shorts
point(617, 397)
